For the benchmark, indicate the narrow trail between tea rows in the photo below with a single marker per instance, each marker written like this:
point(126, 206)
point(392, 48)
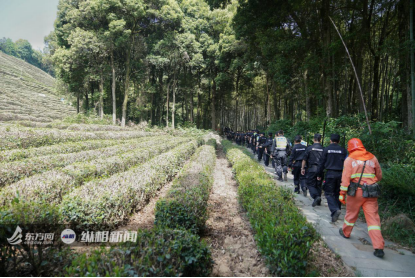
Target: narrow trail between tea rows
point(144, 218)
point(228, 231)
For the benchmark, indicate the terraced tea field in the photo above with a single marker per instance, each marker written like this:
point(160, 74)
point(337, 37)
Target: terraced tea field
point(27, 93)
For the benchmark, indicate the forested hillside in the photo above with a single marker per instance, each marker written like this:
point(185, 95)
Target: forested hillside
point(23, 49)
point(241, 64)
point(28, 94)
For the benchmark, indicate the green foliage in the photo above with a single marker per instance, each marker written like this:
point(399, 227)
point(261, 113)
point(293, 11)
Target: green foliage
point(23, 49)
point(282, 233)
point(388, 142)
point(398, 181)
point(38, 260)
point(398, 196)
point(157, 253)
point(108, 202)
point(185, 205)
point(88, 119)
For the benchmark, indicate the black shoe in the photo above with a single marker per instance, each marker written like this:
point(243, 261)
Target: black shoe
point(305, 193)
point(335, 216)
point(279, 179)
point(317, 201)
point(342, 234)
point(379, 253)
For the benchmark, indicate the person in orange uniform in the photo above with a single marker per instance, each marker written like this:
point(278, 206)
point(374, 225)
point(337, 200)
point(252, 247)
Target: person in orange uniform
point(361, 167)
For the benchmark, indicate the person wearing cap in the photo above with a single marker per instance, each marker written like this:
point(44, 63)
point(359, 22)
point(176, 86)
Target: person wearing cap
point(253, 142)
point(295, 160)
point(280, 148)
point(361, 173)
point(268, 146)
point(332, 161)
point(311, 160)
point(262, 140)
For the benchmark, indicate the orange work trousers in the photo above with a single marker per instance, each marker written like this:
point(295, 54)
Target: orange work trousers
point(370, 208)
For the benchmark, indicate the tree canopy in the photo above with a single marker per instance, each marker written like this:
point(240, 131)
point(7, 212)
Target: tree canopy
point(234, 63)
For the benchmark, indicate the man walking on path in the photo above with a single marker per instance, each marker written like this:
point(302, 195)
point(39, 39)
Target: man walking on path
point(262, 140)
point(311, 159)
point(279, 150)
point(359, 180)
point(332, 160)
point(295, 161)
point(268, 146)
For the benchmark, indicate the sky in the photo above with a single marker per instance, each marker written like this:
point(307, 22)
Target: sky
point(27, 19)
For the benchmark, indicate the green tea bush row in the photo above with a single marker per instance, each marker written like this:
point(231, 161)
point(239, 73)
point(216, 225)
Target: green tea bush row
point(282, 234)
point(160, 252)
point(110, 201)
point(71, 147)
point(7, 116)
point(185, 205)
point(12, 136)
point(14, 171)
point(29, 259)
point(50, 186)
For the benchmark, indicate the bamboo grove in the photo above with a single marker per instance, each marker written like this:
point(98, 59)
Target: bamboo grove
point(241, 64)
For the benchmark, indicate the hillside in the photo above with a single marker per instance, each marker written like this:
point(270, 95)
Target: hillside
point(27, 93)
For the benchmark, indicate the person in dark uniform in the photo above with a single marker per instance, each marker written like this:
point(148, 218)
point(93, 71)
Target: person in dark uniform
point(253, 142)
point(280, 148)
point(262, 140)
point(332, 161)
point(295, 161)
point(268, 146)
point(311, 159)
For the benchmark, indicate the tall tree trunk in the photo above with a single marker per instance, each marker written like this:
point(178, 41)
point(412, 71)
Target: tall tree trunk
point(127, 84)
point(237, 98)
point(86, 102)
point(212, 104)
point(101, 97)
point(327, 79)
point(77, 103)
point(191, 107)
point(173, 108)
point(404, 58)
point(307, 96)
point(167, 104)
point(268, 102)
point(114, 99)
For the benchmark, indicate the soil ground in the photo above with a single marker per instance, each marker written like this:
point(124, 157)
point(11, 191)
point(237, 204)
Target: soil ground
point(144, 219)
point(228, 231)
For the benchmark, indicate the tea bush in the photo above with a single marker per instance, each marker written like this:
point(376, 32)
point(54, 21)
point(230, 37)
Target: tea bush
point(161, 252)
point(51, 185)
point(282, 234)
point(185, 205)
point(108, 202)
point(31, 260)
point(13, 136)
point(16, 170)
point(63, 148)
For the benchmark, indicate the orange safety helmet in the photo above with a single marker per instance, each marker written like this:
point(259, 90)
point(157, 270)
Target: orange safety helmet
point(354, 144)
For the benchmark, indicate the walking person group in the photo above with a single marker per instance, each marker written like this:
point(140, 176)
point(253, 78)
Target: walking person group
point(347, 177)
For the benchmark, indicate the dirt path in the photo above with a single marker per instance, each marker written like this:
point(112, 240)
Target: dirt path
point(228, 230)
point(144, 219)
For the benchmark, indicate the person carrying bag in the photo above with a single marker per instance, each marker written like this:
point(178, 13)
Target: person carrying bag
point(360, 178)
